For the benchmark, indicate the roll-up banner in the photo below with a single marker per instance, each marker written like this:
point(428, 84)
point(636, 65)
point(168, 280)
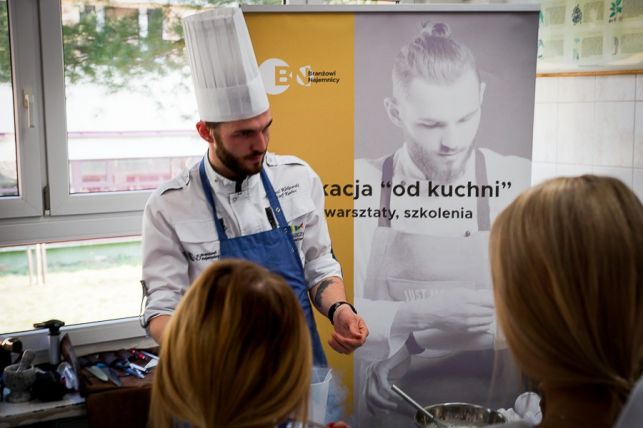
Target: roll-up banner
point(418, 119)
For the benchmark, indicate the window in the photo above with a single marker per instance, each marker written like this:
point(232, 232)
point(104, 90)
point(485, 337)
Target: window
point(129, 107)
point(112, 82)
point(76, 282)
point(96, 110)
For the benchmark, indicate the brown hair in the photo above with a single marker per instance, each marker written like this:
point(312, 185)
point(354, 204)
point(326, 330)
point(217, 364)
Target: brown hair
point(236, 353)
point(214, 130)
point(567, 266)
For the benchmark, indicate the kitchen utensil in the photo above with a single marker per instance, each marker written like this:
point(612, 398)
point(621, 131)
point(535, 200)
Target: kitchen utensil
point(54, 339)
point(20, 377)
point(420, 409)
point(459, 415)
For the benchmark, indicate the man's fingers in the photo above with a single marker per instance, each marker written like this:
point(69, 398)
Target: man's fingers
point(352, 327)
point(351, 334)
point(351, 342)
point(362, 329)
point(337, 345)
point(347, 343)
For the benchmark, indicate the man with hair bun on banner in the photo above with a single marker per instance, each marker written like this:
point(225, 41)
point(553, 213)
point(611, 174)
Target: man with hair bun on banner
point(422, 274)
point(241, 201)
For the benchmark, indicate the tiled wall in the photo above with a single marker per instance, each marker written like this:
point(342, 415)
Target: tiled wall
point(589, 125)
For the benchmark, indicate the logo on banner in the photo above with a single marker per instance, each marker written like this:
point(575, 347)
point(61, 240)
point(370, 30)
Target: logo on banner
point(278, 76)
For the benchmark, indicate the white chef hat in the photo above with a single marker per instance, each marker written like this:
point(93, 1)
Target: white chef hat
point(226, 78)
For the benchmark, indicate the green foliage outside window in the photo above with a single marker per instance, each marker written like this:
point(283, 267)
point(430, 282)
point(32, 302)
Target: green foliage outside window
point(113, 52)
point(5, 54)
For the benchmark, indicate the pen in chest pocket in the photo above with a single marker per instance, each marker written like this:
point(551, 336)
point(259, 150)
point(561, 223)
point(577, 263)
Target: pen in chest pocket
point(271, 217)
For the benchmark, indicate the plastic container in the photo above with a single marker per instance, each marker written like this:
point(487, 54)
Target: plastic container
point(318, 399)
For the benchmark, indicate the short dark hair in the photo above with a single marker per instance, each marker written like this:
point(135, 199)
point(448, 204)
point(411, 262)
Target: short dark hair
point(213, 127)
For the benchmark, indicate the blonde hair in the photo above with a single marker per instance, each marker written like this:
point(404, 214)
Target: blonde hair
point(236, 353)
point(567, 266)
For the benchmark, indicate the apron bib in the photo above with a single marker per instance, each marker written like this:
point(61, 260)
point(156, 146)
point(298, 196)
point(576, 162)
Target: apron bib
point(404, 267)
point(274, 249)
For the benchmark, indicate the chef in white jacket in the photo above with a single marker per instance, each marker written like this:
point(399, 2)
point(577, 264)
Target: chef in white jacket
point(240, 200)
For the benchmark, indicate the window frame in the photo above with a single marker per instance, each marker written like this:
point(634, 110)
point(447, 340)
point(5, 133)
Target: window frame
point(45, 211)
point(60, 200)
point(25, 66)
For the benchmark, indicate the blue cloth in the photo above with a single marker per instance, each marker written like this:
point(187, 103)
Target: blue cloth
point(273, 249)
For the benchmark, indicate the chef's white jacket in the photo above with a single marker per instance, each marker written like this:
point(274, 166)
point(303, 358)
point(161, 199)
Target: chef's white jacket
point(180, 239)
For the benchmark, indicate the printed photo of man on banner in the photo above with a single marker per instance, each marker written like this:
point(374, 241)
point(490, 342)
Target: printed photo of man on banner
point(443, 134)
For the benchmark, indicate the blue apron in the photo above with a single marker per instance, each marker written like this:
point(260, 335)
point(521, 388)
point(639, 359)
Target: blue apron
point(273, 249)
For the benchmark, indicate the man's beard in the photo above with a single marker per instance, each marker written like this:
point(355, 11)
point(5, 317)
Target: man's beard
point(233, 163)
point(437, 171)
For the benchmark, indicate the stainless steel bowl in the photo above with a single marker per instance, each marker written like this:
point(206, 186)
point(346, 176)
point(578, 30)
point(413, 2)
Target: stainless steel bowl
point(459, 415)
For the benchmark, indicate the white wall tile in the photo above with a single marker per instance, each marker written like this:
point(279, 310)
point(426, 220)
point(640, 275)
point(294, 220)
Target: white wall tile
point(616, 88)
point(576, 140)
point(638, 135)
point(623, 174)
point(541, 171)
point(545, 116)
point(572, 170)
point(639, 87)
point(637, 182)
point(614, 123)
point(546, 89)
point(576, 89)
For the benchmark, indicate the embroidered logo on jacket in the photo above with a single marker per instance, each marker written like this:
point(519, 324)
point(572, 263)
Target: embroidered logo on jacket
point(201, 256)
point(287, 190)
point(297, 231)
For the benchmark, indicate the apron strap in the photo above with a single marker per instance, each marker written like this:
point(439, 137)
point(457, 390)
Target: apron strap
point(272, 198)
point(281, 218)
point(385, 194)
point(484, 222)
point(207, 189)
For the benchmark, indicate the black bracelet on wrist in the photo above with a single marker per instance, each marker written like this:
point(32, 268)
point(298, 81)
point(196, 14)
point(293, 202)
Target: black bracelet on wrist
point(333, 308)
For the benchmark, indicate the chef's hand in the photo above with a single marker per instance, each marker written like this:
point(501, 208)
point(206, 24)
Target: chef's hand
point(378, 392)
point(459, 311)
point(350, 330)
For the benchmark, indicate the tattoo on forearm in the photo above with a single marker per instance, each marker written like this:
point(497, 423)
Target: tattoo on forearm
point(320, 290)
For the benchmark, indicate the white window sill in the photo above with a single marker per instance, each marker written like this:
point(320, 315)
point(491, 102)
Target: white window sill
point(89, 338)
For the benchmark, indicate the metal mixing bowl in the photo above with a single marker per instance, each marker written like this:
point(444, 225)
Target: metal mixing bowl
point(459, 415)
